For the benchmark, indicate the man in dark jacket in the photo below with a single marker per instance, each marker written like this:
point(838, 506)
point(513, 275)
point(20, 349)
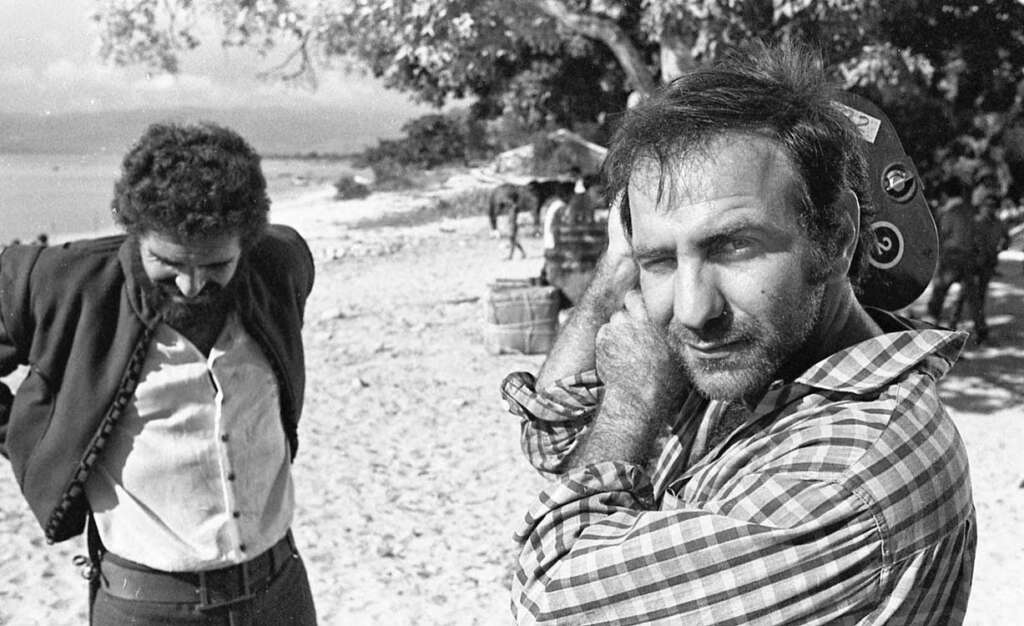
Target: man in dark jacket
point(164, 389)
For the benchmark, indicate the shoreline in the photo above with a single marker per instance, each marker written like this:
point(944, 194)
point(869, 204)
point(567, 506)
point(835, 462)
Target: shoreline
point(67, 196)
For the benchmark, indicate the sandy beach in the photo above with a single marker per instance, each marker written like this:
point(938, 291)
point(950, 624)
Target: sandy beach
point(409, 476)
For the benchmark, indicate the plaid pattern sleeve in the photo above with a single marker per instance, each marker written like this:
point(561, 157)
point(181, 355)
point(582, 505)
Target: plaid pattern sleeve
point(552, 420)
point(843, 499)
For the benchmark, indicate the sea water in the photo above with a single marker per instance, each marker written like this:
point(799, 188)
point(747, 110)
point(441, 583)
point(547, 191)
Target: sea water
point(55, 194)
point(68, 195)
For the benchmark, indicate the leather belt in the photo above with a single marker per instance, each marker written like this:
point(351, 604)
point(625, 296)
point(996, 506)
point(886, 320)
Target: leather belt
point(210, 589)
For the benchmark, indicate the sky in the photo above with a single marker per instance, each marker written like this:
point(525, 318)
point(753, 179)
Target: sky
point(49, 65)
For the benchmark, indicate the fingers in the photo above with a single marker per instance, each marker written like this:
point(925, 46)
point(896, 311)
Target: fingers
point(618, 241)
point(633, 304)
point(633, 311)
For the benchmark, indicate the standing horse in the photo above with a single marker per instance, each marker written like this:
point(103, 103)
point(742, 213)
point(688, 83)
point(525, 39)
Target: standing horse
point(510, 200)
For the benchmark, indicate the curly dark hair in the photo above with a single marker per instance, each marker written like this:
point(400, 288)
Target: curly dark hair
point(192, 181)
point(780, 93)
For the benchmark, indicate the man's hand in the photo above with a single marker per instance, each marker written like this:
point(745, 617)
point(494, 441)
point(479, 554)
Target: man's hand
point(636, 365)
point(616, 273)
point(617, 266)
point(644, 387)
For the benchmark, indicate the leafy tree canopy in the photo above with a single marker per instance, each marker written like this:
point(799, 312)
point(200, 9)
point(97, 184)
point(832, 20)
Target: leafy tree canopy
point(943, 69)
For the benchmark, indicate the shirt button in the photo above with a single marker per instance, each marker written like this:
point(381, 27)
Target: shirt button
point(231, 476)
point(223, 437)
point(237, 514)
point(241, 547)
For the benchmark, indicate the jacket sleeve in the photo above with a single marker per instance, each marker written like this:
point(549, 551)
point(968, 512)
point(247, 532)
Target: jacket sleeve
point(8, 363)
point(309, 266)
point(301, 260)
point(15, 266)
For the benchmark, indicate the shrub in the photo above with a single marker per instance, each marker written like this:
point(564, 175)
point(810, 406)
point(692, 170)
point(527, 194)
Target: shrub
point(348, 188)
point(431, 140)
point(391, 175)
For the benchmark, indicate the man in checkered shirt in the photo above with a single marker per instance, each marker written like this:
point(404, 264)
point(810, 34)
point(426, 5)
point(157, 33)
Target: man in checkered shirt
point(739, 440)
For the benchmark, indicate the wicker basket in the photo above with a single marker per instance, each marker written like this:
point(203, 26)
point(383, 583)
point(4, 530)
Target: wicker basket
point(520, 319)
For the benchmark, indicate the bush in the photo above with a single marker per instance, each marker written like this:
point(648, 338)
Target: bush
point(431, 140)
point(348, 188)
point(391, 175)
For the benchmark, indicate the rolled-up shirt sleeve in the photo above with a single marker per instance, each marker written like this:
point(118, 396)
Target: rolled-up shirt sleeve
point(553, 420)
point(596, 549)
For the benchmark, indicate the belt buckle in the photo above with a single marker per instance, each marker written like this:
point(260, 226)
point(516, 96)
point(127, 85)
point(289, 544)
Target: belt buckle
point(205, 604)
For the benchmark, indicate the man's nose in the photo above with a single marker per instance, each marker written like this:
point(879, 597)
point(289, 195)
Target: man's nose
point(191, 283)
point(697, 298)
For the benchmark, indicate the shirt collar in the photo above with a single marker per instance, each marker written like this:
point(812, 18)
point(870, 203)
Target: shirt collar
point(872, 364)
point(876, 362)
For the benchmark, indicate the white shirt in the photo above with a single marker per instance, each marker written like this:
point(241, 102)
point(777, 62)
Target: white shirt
point(196, 474)
point(551, 215)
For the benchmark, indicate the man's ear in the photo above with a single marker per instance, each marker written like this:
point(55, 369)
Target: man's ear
point(848, 207)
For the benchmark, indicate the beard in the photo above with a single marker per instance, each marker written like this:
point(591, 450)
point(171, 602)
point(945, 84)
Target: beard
point(761, 350)
point(209, 308)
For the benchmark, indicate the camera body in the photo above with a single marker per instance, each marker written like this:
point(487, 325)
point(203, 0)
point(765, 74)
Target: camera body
point(907, 250)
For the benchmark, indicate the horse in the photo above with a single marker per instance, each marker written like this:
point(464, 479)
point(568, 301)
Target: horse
point(510, 200)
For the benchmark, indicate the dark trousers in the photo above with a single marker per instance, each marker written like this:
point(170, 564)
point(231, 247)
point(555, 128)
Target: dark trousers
point(959, 266)
point(287, 600)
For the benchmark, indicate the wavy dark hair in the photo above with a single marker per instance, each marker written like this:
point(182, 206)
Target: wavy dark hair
point(779, 93)
point(192, 181)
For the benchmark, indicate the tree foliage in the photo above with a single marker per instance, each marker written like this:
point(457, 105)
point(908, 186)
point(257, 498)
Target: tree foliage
point(943, 69)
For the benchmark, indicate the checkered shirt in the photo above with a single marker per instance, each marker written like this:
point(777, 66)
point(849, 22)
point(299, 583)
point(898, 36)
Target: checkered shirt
point(843, 499)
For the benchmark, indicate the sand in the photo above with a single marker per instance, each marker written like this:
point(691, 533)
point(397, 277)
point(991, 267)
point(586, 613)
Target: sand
point(409, 476)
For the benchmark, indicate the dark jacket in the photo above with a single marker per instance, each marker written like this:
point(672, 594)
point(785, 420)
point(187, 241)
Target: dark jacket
point(78, 316)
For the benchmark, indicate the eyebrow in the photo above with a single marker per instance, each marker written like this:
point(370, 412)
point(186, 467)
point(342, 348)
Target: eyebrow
point(727, 230)
point(173, 263)
point(645, 253)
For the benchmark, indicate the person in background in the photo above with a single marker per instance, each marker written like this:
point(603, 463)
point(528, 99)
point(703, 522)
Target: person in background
point(991, 236)
point(958, 261)
point(574, 236)
point(733, 437)
point(164, 389)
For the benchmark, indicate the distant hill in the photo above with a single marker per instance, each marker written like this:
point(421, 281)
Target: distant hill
point(271, 130)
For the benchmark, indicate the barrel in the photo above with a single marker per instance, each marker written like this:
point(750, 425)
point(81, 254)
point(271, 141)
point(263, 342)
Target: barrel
point(520, 318)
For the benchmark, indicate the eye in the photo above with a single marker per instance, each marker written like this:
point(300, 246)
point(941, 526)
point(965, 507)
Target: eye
point(659, 264)
point(732, 247)
point(167, 263)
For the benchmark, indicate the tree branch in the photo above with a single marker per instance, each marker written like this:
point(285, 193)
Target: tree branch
point(306, 70)
point(607, 32)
